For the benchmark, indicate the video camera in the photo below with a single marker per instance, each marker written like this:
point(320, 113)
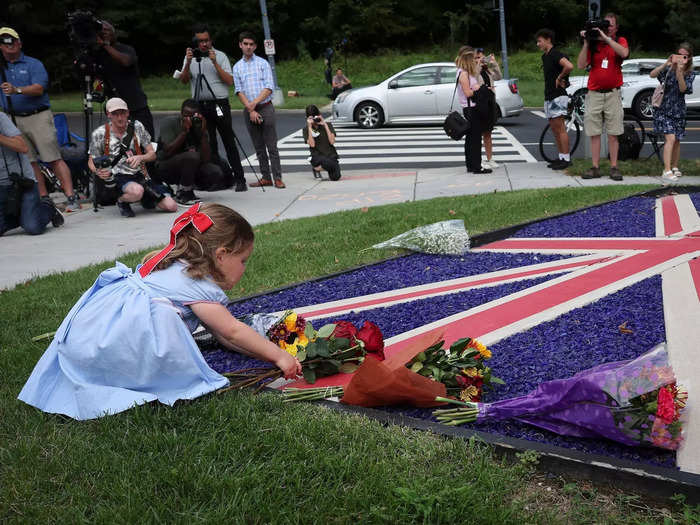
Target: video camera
point(83, 29)
point(591, 27)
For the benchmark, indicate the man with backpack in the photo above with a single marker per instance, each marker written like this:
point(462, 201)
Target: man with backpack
point(604, 51)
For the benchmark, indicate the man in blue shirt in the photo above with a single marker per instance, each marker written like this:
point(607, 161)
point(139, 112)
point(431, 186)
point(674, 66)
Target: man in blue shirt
point(252, 76)
point(25, 97)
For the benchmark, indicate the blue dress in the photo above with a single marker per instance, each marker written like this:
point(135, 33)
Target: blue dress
point(669, 118)
point(126, 342)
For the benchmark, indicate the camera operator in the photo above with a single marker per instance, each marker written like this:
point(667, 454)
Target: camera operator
point(119, 150)
point(211, 91)
point(25, 98)
point(20, 204)
point(184, 154)
point(120, 72)
point(604, 51)
point(320, 136)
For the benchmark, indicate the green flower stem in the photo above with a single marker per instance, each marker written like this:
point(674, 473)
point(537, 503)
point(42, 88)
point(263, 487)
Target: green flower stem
point(453, 401)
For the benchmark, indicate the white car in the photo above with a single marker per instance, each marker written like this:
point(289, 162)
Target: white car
point(638, 86)
point(419, 94)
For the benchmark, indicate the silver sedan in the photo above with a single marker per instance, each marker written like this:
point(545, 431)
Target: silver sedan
point(419, 94)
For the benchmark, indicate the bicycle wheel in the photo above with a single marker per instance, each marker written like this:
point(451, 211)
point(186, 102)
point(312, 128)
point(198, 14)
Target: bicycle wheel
point(548, 146)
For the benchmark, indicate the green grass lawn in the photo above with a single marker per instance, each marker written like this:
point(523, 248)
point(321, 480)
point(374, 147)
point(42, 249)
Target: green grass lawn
point(252, 459)
point(305, 76)
point(634, 168)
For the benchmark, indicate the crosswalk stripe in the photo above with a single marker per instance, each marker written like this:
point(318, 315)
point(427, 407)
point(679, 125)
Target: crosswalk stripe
point(398, 146)
point(539, 114)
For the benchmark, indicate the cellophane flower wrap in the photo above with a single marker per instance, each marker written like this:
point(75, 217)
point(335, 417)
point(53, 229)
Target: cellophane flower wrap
point(634, 402)
point(441, 238)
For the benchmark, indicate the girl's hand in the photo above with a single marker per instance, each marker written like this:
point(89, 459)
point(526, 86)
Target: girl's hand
point(289, 365)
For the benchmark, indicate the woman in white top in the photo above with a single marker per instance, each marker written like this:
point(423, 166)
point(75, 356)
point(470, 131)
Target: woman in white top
point(469, 78)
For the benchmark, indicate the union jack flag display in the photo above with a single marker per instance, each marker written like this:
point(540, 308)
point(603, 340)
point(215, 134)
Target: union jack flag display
point(560, 296)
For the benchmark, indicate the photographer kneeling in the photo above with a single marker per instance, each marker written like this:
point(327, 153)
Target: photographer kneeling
point(19, 196)
point(184, 154)
point(118, 153)
point(320, 136)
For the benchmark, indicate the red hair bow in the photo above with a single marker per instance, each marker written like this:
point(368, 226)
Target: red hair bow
point(199, 220)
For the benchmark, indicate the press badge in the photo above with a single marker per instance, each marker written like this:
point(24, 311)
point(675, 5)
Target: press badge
point(220, 113)
point(604, 63)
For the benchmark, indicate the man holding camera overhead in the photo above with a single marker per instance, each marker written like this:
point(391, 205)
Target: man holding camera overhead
point(184, 153)
point(119, 151)
point(604, 51)
point(210, 78)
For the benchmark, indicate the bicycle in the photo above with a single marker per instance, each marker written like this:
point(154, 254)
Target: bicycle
point(573, 123)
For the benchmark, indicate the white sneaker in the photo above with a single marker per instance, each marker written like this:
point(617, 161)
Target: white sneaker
point(492, 164)
point(668, 175)
point(676, 172)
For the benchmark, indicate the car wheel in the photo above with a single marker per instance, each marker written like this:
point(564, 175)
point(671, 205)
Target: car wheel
point(578, 100)
point(642, 107)
point(369, 115)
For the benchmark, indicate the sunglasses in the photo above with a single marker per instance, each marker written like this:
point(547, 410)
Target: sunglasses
point(479, 49)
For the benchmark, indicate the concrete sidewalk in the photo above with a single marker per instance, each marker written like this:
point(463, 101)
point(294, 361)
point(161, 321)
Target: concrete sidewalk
point(89, 237)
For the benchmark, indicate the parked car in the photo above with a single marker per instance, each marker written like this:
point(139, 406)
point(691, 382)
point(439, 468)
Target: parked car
point(419, 94)
point(638, 86)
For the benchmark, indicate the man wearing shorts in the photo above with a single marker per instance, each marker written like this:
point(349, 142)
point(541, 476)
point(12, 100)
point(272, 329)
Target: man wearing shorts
point(556, 67)
point(604, 101)
point(25, 98)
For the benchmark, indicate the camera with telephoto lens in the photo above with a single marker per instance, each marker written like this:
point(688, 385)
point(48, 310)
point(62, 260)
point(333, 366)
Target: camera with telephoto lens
point(196, 123)
point(151, 190)
point(593, 25)
point(317, 119)
point(102, 162)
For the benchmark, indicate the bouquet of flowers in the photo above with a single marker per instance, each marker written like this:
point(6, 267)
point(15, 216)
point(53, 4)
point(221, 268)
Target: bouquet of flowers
point(461, 367)
point(635, 402)
point(415, 375)
point(445, 238)
point(334, 348)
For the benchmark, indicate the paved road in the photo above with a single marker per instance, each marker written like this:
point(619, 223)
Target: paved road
point(516, 139)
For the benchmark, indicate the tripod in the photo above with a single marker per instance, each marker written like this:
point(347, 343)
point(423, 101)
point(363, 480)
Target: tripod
point(87, 129)
point(199, 83)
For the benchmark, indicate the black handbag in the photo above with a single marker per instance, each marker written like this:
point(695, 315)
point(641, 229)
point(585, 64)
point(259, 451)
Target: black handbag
point(455, 125)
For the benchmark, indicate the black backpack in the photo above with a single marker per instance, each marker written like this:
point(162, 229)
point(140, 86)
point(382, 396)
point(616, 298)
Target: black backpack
point(630, 143)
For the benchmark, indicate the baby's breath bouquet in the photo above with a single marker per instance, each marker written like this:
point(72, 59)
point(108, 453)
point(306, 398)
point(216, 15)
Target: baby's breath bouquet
point(441, 238)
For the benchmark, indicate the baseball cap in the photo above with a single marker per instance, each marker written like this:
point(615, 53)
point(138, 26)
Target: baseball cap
point(9, 32)
point(113, 104)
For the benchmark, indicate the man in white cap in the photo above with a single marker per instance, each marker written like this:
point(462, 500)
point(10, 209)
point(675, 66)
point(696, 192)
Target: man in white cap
point(24, 97)
point(119, 151)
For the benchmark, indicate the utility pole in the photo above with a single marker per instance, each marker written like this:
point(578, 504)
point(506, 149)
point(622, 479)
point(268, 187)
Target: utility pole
point(504, 47)
point(277, 97)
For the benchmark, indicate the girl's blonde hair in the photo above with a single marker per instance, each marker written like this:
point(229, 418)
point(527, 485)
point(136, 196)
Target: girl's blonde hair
point(230, 230)
point(466, 61)
point(689, 48)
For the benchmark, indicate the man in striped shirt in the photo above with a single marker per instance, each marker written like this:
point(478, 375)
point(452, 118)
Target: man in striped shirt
point(252, 77)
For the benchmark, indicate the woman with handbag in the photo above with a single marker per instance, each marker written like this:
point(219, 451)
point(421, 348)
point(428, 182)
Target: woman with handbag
point(490, 72)
point(676, 78)
point(469, 80)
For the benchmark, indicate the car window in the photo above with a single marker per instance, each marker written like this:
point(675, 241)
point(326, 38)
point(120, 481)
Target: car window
point(448, 75)
point(630, 68)
point(421, 76)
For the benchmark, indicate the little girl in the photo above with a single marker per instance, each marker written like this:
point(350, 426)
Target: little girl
point(128, 340)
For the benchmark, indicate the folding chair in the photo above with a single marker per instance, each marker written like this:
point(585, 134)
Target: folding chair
point(657, 141)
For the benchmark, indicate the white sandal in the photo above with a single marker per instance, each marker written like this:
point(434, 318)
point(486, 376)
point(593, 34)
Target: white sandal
point(677, 172)
point(668, 175)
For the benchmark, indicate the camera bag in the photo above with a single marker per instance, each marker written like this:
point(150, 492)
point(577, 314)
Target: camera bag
point(455, 125)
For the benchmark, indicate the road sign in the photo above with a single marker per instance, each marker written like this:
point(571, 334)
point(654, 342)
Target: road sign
point(269, 45)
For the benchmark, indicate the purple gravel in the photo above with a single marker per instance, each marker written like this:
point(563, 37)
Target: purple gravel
point(636, 214)
point(560, 348)
point(411, 270)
